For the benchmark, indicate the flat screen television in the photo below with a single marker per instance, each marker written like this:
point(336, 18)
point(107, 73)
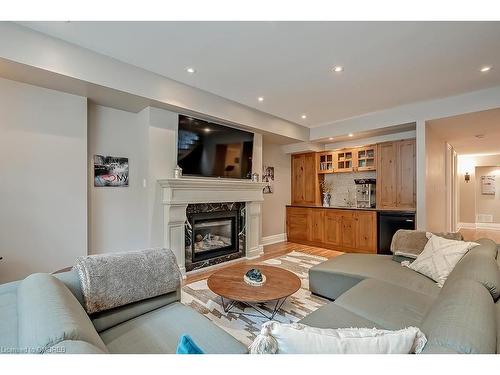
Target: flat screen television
point(206, 149)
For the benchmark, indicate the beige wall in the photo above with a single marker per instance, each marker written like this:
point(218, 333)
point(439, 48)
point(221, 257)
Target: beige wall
point(43, 179)
point(488, 204)
point(468, 192)
point(435, 181)
point(273, 209)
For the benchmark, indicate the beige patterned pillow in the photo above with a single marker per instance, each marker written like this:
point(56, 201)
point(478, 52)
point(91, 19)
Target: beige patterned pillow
point(439, 257)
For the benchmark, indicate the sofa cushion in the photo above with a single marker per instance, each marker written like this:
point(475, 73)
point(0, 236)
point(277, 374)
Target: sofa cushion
point(439, 257)
point(159, 331)
point(110, 318)
point(48, 314)
point(479, 264)
point(117, 279)
point(72, 282)
point(335, 276)
point(8, 320)
point(463, 320)
point(332, 315)
point(410, 243)
point(388, 305)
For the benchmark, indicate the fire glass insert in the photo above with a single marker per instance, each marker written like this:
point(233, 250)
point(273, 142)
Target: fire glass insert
point(214, 234)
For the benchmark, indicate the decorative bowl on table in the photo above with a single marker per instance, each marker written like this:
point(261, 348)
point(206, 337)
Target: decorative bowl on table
point(254, 277)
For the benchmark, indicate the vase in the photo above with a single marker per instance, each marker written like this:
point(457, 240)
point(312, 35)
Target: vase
point(326, 199)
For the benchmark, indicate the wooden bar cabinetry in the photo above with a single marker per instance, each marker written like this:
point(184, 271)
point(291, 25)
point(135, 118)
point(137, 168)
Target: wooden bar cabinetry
point(343, 230)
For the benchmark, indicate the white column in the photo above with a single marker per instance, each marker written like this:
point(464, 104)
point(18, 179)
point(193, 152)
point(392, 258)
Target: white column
point(174, 217)
point(254, 230)
point(421, 176)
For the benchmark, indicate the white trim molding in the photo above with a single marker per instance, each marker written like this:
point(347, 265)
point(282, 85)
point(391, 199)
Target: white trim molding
point(177, 193)
point(490, 226)
point(466, 226)
point(275, 238)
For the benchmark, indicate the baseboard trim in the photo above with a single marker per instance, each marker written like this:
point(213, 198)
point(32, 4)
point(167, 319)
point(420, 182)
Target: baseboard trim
point(466, 226)
point(275, 238)
point(492, 226)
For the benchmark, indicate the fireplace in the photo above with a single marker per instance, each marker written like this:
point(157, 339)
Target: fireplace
point(214, 233)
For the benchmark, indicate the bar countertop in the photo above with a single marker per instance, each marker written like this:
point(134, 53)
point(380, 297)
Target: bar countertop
point(354, 208)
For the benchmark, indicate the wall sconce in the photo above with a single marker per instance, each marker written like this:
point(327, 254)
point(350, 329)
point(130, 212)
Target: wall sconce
point(467, 177)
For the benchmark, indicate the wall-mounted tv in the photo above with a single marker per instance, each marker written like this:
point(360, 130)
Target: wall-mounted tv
point(206, 149)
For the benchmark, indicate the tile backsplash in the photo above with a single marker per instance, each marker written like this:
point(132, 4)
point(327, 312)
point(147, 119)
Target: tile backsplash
point(344, 188)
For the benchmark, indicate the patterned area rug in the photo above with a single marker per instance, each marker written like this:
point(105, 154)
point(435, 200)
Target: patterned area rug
point(245, 328)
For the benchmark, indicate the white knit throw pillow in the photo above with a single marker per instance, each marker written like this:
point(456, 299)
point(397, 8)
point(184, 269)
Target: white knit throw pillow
point(439, 257)
point(296, 338)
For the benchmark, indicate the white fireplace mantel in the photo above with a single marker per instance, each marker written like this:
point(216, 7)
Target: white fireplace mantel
point(177, 193)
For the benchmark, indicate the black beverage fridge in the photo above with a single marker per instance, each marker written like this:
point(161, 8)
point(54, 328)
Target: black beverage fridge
point(388, 223)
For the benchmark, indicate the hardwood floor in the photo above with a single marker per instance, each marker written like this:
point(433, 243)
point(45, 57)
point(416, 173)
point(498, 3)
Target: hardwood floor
point(270, 251)
point(475, 234)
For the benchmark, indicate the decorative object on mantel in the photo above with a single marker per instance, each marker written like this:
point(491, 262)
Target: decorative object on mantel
point(255, 177)
point(254, 277)
point(110, 171)
point(268, 178)
point(177, 172)
point(488, 185)
point(327, 189)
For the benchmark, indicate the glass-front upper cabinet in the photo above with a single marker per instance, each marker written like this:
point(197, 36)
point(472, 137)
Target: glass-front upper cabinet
point(325, 162)
point(366, 158)
point(344, 160)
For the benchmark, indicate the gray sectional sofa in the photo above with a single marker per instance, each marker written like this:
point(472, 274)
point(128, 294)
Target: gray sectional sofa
point(44, 314)
point(376, 291)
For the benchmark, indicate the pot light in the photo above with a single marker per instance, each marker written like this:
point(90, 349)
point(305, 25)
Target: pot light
point(350, 134)
point(485, 69)
point(303, 117)
point(260, 99)
point(330, 139)
point(338, 69)
point(191, 70)
point(207, 130)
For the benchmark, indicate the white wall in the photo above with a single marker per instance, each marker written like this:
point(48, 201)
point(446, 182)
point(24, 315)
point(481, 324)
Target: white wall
point(273, 208)
point(43, 179)
point(118, 215)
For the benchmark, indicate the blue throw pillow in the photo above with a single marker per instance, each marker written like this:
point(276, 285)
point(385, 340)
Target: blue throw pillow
point(186, 345)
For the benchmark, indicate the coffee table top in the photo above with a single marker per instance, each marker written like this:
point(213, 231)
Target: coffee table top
point(229, 283)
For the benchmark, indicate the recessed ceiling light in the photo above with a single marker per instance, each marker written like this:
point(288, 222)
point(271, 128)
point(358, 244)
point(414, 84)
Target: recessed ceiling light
point(330, 139)
point(350, 134)
point(191, 70)
point(338, 69)
point(260, 99)
point(303, 117)
point(485, 69)
point(207, 130)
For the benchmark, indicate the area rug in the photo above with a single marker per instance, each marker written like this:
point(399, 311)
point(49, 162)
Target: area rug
point(245, 328)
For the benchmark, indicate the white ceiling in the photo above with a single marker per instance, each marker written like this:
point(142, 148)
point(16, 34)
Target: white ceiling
point(289, 63)
point(461, 131)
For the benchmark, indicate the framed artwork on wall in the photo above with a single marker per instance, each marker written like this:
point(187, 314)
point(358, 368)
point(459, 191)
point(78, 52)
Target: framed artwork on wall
point(110, 171)
point(268, 178)
point(488, 185)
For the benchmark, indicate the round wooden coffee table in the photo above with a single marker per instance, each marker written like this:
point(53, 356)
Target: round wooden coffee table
point(228, 283)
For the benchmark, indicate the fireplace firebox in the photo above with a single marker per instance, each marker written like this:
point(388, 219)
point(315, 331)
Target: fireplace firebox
point(215, 233)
